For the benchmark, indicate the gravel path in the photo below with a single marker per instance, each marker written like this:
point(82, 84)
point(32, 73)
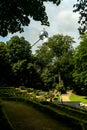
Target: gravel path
point(65, 97)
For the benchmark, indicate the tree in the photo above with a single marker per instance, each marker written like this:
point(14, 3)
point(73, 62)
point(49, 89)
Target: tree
point(81, 7)
point(61, 47)
point(14, 14)
point(48, 77)
point(43, 56)
point(23, 71)
point(43, 62)
point(19, 55)
point(54, 59)
point(26, 74)
point(80, 66)
point(18, 49)
point(4, 65)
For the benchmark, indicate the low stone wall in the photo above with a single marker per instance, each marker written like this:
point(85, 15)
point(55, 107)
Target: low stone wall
point(73, 104)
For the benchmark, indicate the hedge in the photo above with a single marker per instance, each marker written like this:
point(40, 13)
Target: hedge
point(60, 113)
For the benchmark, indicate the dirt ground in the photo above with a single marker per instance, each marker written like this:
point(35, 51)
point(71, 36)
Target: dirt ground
point(65, 97)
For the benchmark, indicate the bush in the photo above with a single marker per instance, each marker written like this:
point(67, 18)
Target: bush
point(69, 115)
point(7, 92)
point(30, 90)
point(22, 87)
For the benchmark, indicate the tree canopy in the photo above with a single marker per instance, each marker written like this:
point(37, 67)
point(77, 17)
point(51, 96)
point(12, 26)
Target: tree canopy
point(81, 7)
point(80, 66)
point(14, 14)
point(54, 59)
point(54, 65)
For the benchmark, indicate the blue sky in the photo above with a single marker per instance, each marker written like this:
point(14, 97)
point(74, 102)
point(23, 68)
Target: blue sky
point(62, 21)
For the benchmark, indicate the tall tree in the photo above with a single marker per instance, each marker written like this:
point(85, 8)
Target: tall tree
point(80, 66)
point(44, 64)
point(14, 14)
point(54, 59)
point(19, 55)
point(61, 47)
point(43, 56)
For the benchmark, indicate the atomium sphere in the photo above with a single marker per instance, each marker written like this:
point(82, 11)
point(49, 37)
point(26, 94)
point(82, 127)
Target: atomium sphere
point(43, 34)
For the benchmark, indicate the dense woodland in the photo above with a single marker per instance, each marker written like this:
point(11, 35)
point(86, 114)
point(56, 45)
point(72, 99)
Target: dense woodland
point(55, 64)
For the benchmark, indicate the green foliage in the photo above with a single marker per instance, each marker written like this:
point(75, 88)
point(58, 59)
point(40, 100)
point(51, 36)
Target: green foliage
point(81, 7)
point(60, 44)
point(62, 50)
point(16, 14)
point(6, 92)
point(48, 78)
point(30, 89)
point(53, 62)
point(80, 66)
point(18, 49)
point(60, 87)
point(22, 87)
point(4, 65)
point(55, 57)
point(19, 55)
point(74, 97)
point(76, 118)
point(56, 98)
point(43, 56)
point(23, 71)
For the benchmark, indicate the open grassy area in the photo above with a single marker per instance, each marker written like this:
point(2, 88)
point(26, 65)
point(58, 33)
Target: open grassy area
point(74, 97)
point(24, 117)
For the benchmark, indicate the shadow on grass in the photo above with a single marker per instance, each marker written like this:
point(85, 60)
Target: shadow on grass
point(25, 117)
point(4, 124)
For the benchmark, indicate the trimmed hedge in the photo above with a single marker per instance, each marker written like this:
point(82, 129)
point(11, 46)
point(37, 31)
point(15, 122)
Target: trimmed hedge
point(7, 92)
point(77, 112)
point(61, 113)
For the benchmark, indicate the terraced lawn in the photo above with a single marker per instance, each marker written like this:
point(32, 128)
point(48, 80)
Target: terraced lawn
point(74, 97)
point(25, 117)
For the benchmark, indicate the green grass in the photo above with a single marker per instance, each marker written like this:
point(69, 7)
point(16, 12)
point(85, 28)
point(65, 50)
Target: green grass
point(25, 117)
point(4, 124)
point(74, 97)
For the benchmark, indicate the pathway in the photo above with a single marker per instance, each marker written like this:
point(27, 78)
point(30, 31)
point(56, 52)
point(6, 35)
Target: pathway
point(65, 97)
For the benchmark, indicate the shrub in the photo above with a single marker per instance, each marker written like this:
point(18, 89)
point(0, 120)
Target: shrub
point(22, 87)
point(30, 90)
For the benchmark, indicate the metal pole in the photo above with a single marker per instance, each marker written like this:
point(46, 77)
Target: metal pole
point(41, 36)
point(35, 43)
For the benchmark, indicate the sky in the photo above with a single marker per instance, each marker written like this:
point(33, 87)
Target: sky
point(62, 21)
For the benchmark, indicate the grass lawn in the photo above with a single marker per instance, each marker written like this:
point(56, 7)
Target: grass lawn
point(74, 97)
point(25, 117)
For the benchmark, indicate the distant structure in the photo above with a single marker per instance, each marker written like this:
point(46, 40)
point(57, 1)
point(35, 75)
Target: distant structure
point(42, 36)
